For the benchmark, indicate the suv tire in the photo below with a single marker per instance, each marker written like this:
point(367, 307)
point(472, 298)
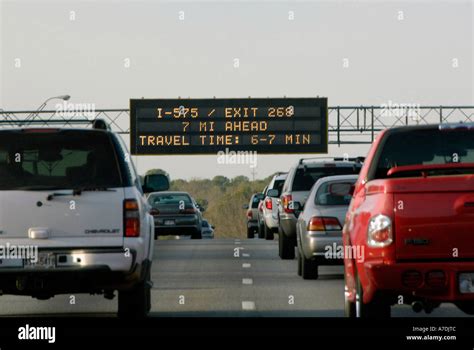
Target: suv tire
point(268, 233)
point(135, 303)
point(250, 232)
point(286, 246)
point(261, 231)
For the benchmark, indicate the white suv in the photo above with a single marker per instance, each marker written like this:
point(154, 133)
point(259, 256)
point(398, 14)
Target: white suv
point(73, 211)
point(268, 216)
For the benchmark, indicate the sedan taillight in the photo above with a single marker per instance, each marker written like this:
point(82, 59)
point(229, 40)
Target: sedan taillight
point(318, 223)
point(131, 218)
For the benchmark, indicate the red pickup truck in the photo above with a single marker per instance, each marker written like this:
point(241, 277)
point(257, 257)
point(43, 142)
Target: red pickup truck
point(409, 232)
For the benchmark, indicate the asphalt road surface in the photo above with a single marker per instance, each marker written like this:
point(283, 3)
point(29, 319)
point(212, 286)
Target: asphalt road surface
point(206, 278)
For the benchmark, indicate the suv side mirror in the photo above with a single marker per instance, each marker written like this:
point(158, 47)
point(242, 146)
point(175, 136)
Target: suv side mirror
point(273, 193)
point(156, 183)
point(297, 206)
point(245, 206)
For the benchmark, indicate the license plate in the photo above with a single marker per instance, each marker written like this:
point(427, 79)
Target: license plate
point(169, 222)
point(466, 282)
point(44, 260)
point(11, 263)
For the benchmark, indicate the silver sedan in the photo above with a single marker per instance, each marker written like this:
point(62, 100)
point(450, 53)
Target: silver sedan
point(319, 225)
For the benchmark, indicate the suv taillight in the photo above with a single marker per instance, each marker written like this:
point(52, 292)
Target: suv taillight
point(131, 218)
point(379, 232)
point(317, 223)
point(286, 202)
point(249, 214)
point(268, 203)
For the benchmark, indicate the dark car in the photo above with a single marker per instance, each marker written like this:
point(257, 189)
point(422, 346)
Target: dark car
point(207, 229)
point(175, 213)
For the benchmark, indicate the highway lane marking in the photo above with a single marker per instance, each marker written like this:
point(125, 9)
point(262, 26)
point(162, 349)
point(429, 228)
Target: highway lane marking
point(246, 265)
point(248, 305)
point(247, 281)
point(245, 255)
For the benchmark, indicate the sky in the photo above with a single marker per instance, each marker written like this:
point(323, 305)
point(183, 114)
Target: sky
point(353, 52)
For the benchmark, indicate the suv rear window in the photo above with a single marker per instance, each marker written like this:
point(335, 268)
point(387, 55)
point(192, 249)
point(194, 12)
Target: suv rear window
point(305, 178)
point(57, 160)
point(425, 146)
point(255, 200)
point(278, 185)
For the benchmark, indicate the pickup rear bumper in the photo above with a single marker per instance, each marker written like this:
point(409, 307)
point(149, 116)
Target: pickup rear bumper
point(391, 279)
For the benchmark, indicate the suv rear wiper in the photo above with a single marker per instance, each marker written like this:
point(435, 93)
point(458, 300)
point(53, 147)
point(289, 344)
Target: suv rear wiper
point(78, 191)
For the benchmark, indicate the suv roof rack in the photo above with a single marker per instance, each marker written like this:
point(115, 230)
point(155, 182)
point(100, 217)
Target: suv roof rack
point(335, 159)
point(98, 124)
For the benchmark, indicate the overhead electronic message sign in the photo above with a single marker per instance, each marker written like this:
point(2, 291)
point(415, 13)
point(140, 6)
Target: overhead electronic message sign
point(207, 126)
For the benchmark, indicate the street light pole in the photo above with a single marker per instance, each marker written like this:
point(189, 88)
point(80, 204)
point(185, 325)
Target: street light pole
point(43, 105)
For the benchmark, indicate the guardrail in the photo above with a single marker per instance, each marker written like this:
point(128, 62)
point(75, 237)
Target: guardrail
point(346, 124)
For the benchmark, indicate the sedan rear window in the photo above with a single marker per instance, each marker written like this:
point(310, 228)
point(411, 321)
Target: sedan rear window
point(325, 197)
point(170, 199)
point(57, 160)
point(426, 147)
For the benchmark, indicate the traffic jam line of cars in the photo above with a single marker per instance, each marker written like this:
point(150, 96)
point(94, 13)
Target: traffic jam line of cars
point(401, 220)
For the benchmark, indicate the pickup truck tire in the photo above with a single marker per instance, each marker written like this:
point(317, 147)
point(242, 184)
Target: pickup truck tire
point(286, 246)
point(250, 233)
point(349, 306)
point(136, 302)
point(309, 269)
point(466, 307)
point(267, 233)
point(374, 309)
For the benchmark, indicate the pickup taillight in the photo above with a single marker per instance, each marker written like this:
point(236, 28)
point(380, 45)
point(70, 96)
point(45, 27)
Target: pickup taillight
point(131, 218)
